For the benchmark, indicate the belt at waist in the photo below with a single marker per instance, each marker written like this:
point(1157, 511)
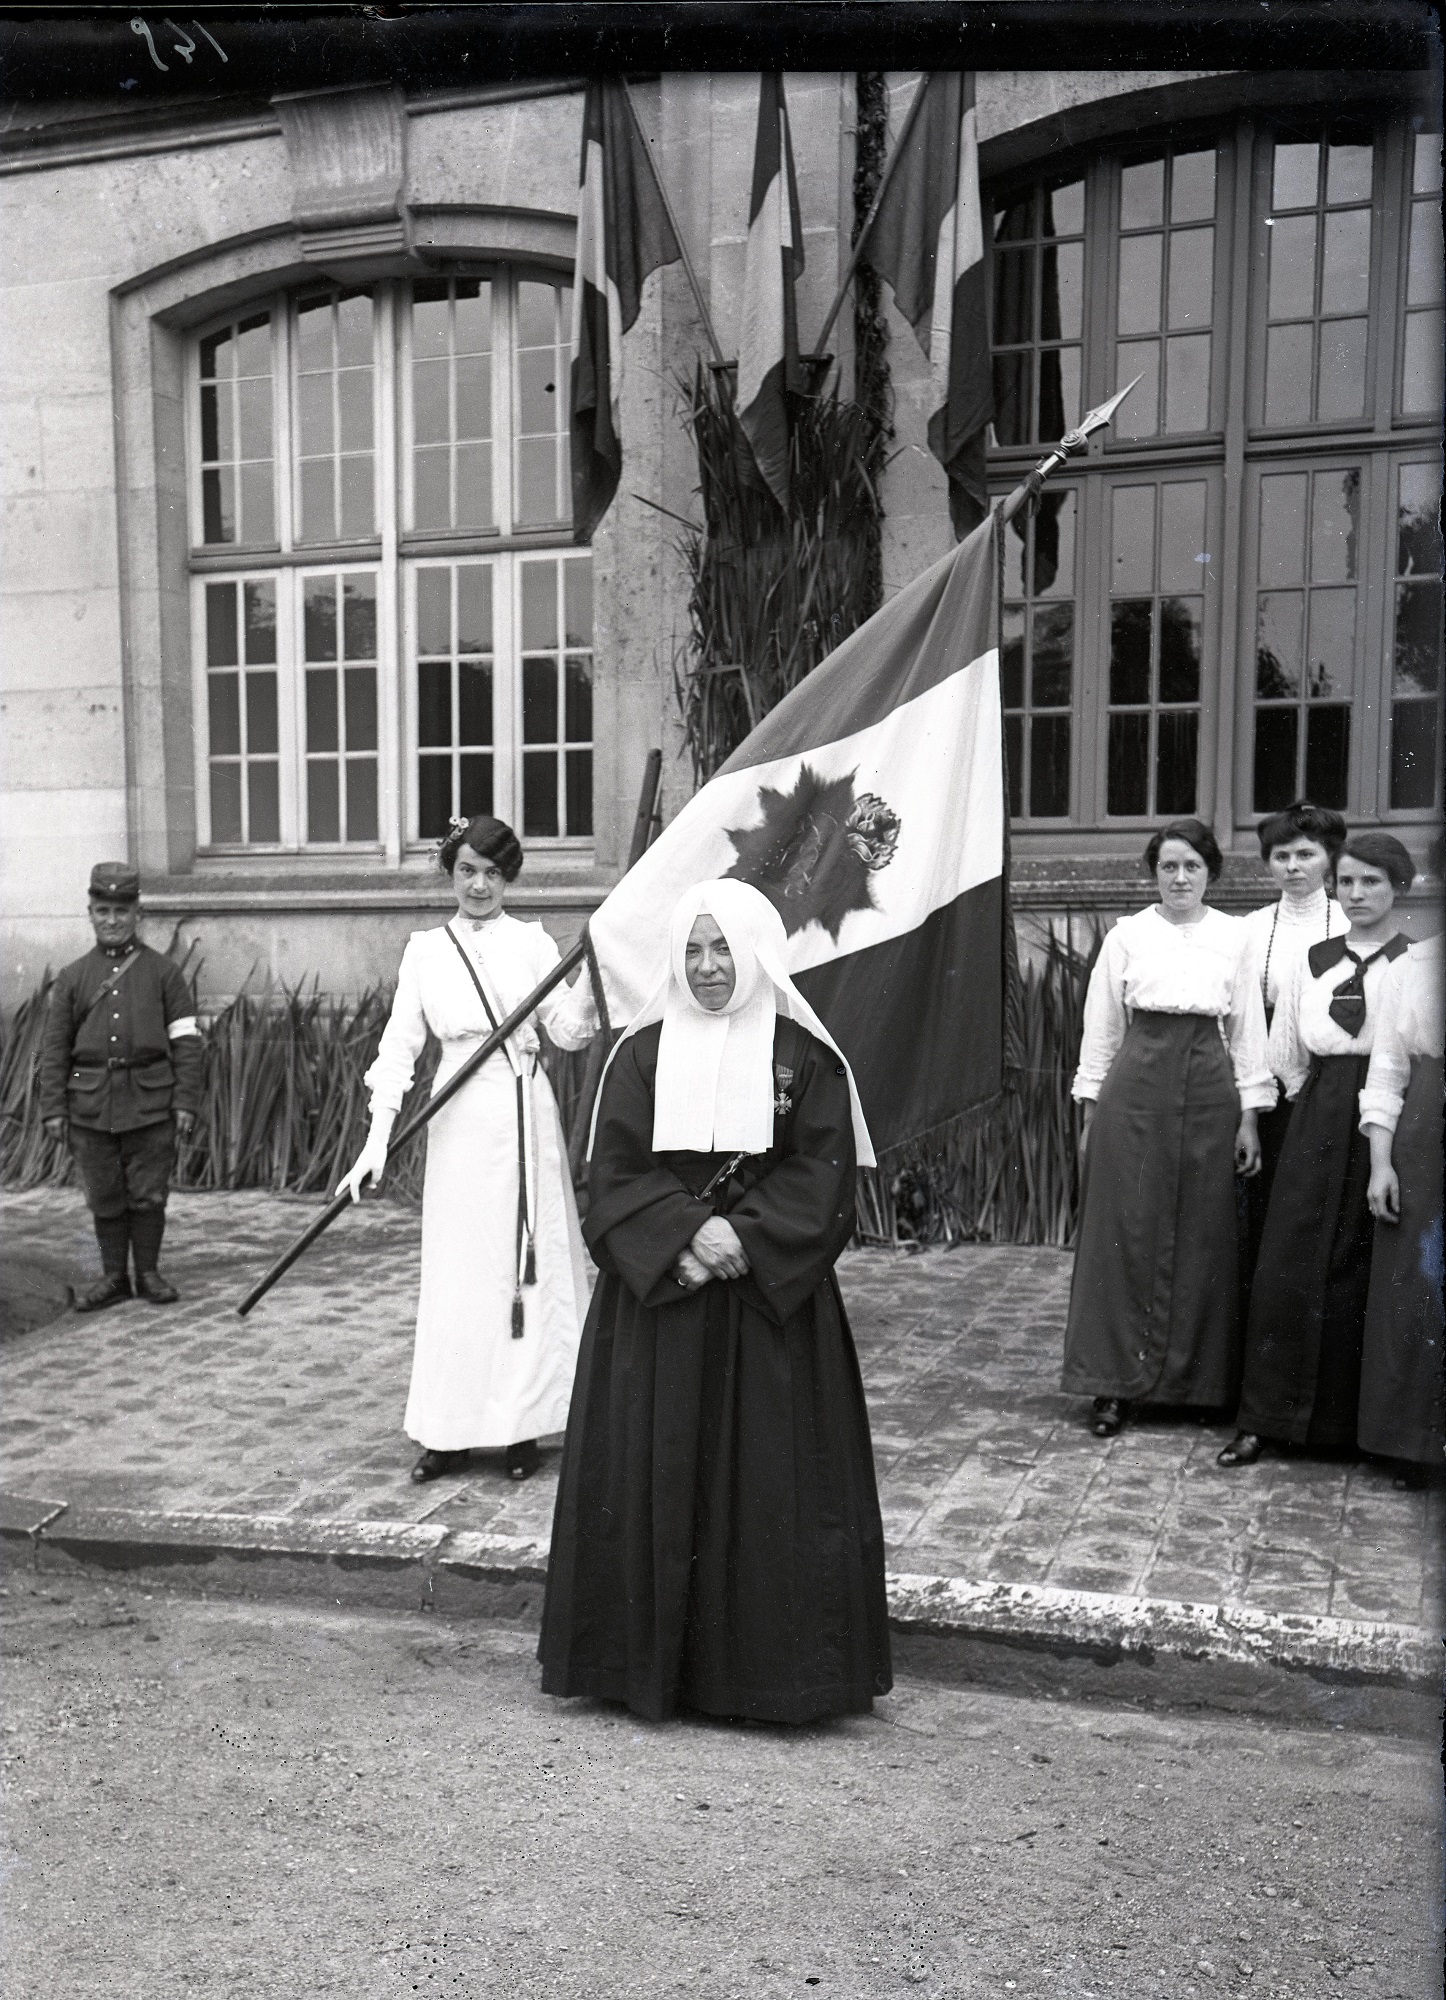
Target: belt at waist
point(116, 1062)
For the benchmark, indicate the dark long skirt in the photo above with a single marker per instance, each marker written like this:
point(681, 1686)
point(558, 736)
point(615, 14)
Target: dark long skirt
point(1252, 1197)
point(1152, 1310)
point(717, 1543)
point(1308, 1307)
point(1402, 1388)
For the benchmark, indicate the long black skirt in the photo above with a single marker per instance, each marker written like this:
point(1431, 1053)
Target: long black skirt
point(1402, 1386)
point(1308, 1305)
point(717, 1544)
point(1152, 1310)
point(1252, 1197)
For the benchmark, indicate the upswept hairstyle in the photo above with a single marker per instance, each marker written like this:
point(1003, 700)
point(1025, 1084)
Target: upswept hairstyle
point(1383, 851)
point(1302, 821)
point(489, 837)
point(1194, 833)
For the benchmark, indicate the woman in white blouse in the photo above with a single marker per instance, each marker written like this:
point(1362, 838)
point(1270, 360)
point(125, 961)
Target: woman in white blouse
point(1308, 1305)
point(1299, 846)
point(1172, 1073)
point(1402, 1386)
point(504, 1286)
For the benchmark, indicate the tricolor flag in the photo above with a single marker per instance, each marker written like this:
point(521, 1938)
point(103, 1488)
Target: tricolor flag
point(927, 244)
point(768, 341)
point(869, 807)
point(623, 233)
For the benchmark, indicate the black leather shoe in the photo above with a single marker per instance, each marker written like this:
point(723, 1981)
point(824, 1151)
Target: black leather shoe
point(1243, 1449)
point(1107, 1416)
point(433, 1464)
point(158, 1290)
point(112, 1290)
point(523, 1459)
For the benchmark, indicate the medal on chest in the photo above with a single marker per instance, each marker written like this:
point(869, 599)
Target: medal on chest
point(782, 1102)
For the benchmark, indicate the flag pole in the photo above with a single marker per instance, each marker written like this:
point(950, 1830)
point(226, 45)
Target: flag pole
point(1094, 420)
point(413, 1126)
point(863, 236)
point(703, 312)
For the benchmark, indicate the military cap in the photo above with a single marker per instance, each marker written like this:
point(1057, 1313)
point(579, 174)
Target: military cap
point(116, 880)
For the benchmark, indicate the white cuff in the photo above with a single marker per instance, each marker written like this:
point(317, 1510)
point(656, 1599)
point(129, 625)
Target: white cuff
point(184, 1024)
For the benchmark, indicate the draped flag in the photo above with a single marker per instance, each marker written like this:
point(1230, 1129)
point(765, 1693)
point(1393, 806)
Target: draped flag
point(869, 808)
point(927, 244)
point(623, 233)
point(768, 361)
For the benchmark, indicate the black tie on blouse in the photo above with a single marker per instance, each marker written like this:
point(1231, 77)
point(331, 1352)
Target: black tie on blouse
point(1348, 1007)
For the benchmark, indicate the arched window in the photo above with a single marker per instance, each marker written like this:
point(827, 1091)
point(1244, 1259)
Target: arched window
point(1235, 596)
point(391, 622)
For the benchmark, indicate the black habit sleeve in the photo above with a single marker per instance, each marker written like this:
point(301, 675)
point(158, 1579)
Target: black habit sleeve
point(639, 1215)
point(796, 1220)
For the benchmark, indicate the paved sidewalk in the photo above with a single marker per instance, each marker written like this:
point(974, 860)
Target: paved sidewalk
point(986, 1472)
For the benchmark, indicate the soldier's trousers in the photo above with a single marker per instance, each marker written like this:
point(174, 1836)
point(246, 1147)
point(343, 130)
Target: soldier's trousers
point(126, 1177)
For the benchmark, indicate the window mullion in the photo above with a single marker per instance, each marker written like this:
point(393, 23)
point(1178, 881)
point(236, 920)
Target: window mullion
point(285, 426)
point(506, 630)
point(390, 739)
point(1390, 218)
point(290, 713)
point(1231, 763)
point(503, 369)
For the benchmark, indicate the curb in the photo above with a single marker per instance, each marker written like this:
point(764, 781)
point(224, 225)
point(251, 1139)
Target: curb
point(1029, 1638)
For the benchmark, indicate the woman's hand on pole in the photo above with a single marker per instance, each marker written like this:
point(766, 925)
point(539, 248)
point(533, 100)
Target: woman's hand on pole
point(718, 1249)
point(371, 1164)
point(1247, 1146)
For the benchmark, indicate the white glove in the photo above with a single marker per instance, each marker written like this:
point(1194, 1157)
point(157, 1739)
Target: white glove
point(372, 1160)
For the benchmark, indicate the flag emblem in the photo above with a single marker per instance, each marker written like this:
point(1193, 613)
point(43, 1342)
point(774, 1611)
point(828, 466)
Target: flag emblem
point(816, 849)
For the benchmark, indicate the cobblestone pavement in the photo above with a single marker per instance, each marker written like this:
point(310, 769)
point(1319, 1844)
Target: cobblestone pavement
point(985, 1469)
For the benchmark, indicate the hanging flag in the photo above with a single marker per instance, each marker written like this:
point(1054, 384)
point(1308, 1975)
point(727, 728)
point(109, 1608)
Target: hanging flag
point(768, 361)
point(623, 233)
point(869, 808)
point(927, 244)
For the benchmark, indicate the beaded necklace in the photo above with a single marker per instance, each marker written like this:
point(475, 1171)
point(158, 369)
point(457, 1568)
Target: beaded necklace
point(1270, 947)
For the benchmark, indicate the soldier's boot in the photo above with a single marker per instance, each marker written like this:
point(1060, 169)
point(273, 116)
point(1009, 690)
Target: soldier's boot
point(147, 1226)
point(112, 1232)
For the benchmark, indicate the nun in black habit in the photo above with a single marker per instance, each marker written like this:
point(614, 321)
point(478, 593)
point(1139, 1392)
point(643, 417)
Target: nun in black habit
point(717, 1543)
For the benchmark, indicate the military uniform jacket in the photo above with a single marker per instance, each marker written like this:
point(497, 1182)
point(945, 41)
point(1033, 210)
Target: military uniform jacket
point(120, 1063)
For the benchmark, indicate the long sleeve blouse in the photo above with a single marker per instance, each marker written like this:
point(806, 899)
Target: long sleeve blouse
point(1149, 965)
point(434, 991)
point(1283, 932)
point(1410, 1021)
point(1302, 1026)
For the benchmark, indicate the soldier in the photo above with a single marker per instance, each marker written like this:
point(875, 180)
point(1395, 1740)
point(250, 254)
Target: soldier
point(120, 1077)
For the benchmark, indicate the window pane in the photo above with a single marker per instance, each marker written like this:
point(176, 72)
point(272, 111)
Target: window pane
point(1061, 301)
point(1332, 642)
point(539, 701)
point(1275, 745)
point(536, 482)
point(1062, 210)
point(1426, 163)
point(1327, 755)
point(1192, 187)
point(1053, 532)
point(261, 714)
point(434, 611)
point(258, 512)
point(434, 796)
point(476, 775)
point(1130, 654)
point(1418, 532)
point(1011, 656)
point(430, 316)
point(361, 798)
point(1142, 195)
point(218, 519)
point(1342, 368)
point(354, 330)
point(1058, 392)
point(539, 605)
point(359, 615)
point(431, 420)
point(434, 702)
point(358, 518)
point(1013, 296)
point(1175, 761)
point(536, 314)
point(577, 603)
point(314, 408)
point(474, 486)
point(1415, 754)
point(253, 404)
point(321, 719)
point(473, 315)
point(579, 793)
point(221, 625)
point(1192, 272)
point(354, 397)
point(319, 617)
point(539, 794)
point(318, 501)
point(1049, 767)
point(1017, 221)
point(1297, 173)
point(474, 608)
point(1012, 399)
point(1013, 757)
point(323, 802)
point(263, 799)
point(474, 689)
point(432, 489)
point(1139, 415)
point(1187, 382)
point(1278, 645)
point(1182, 535)
point(1416, 660)
point(578, 705)
point(1053, 655)
point(223, 706)
point(260, 615)
point(361, 708)
point(1348, 174)
point(226, 804)
point(537, 391)
point(1346, 268)
point(1128, 782)
point(1181, 627)
point(1292, 267)
point(1139, 308)
point(1421, 363)
point(1287, 376)
point(1282, 528)
point(1134, 539)
point(1335, 513)
point(474, 396)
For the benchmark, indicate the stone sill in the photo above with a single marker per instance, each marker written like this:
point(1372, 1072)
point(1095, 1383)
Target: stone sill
point(234, 895)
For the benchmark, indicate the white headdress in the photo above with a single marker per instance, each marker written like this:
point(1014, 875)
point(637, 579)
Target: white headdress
point(714, 1089)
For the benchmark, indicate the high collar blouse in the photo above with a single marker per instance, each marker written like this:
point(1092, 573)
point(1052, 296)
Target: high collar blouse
point(1149, 965)
point(1302, 1026)
point(1410, 1022)
point(1283, 932)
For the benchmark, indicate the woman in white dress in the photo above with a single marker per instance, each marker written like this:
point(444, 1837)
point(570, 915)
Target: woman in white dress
point(1299, 846)
point(504, 1285)
point(1172, 1072)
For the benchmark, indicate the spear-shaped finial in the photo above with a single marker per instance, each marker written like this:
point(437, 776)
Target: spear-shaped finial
point(1093, 420)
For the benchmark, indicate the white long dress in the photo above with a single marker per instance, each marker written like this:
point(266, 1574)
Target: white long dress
point(473, 1384)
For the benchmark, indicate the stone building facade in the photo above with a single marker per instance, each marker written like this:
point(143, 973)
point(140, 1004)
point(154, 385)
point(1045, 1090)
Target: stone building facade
point(287, 569)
